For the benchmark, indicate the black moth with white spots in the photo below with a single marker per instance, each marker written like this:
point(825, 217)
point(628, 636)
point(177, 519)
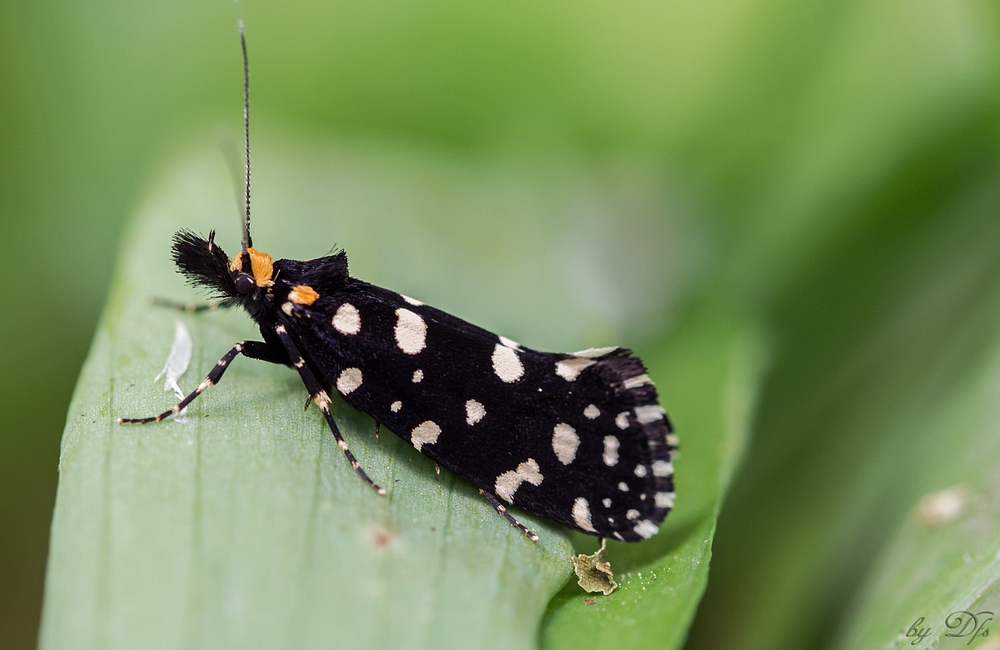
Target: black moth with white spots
point(578, 438)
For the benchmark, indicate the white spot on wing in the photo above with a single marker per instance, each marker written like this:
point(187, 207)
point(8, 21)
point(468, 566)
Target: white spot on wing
point(593, 353)
point(509, 343)
point(622, 420)
point(591, 412)
point(607, 503)
point(474, 412)
point(349, 380)
point(565, 443)
point(662, 468)
point(650, 413)
point(673, 440)
point(411, 331)
point(425, 433)
point(508, 482)
point(632, 514)
point(418, 376)
point(640, 470)
point(646, 529)
point(570, 369)
point(610, 451)
point(347, 320)
point(506, 364)
point(581, 514)
point(635, 382)
point(664, 499)
point(412, 301)
point(623, 486)
point(395, 406)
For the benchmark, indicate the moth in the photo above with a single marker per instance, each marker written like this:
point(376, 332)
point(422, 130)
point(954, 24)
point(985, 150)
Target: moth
point(577, 438)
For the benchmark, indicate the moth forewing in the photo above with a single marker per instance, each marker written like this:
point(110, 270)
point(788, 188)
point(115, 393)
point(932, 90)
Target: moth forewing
point(579, 439)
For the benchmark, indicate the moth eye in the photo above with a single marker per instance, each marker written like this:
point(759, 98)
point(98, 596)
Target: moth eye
point(244, 283)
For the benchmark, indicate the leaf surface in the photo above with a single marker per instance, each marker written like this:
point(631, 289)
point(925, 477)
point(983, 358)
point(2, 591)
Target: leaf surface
point(245, 526)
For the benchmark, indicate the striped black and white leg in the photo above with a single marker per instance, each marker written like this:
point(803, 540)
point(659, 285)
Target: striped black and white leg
point(322, 400)
point(502, 510)
point(253, 349)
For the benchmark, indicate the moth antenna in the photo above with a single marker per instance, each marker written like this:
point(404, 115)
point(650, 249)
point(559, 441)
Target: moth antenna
point(247, 242)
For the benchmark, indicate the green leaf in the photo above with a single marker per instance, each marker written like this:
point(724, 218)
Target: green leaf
point(711, 371)
point(245, 526)
point(884, 392)
point(941, 562)
point(944, 558)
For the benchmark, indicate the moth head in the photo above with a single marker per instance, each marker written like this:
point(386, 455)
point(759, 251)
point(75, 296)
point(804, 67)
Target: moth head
point(205, 264)
point(251, 270)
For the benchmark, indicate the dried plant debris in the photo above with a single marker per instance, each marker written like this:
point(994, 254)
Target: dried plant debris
point(942, 507)
point(594, 572)
point(177, 364)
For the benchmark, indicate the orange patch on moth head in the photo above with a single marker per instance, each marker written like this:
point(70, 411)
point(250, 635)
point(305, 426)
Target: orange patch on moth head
point(261, 265)
point(303, 295)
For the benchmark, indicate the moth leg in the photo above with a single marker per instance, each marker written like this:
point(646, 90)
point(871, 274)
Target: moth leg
point(188, 307)
point(268, 352)
point(252, 349)
point(502, 510)
point(322, 399)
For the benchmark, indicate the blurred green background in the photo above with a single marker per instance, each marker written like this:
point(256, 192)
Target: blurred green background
point(838, 161)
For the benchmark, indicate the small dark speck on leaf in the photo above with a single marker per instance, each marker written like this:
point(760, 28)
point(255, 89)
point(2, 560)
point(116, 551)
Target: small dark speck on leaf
point(381, 537)
point(589, 601)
